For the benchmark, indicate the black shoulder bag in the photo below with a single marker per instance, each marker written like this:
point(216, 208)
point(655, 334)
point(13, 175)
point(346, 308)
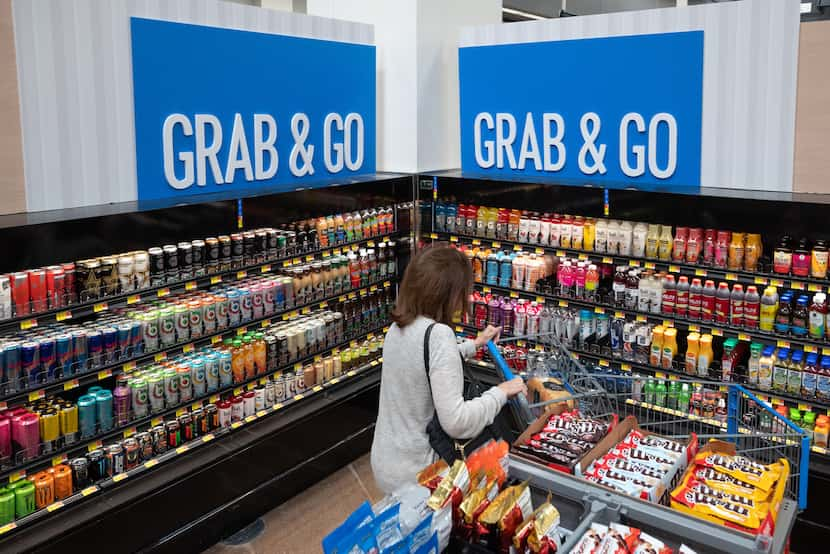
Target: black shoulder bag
point(448, 448)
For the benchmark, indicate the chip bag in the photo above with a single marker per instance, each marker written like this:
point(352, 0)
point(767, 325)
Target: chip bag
point(431, 476)
point(452, 489)
point(498, 523)
point(472, 507)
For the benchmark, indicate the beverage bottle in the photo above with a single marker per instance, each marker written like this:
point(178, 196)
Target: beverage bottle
point(656, 346)
point(479, 262)
point(672, 395)
point(695, 299)
point(691, 353)
point(544, 230)
point(534, 228)
point(722, 249)
point(602, 330)
point(505, 270)
point(669, 302)
point(642, 337)
point(801, 258)
point(754, 363)
point(781, 370)
point(617, 325)
point(524, 228)
point(704, 355)
point(579, 280)
point(681, 305)
point(768, 309)
point(801, 317)
point(513, 220)
point(652, 241)
point(638, 240)
point(591, 282)
point(520, 318)
point(766, 367)
point(612, 245)
point(507, 314)
point(644, 293)
point(374, 226)
point(566, 231)
point(694, 244)
point(784, 314)
point(669, 348)
point(632, 290)
point(494, 312)
point(440, 221)
point(736, 316)
point(491, 269)
point(237, 361)
point(794, 374)
point(735, 256)
point(666, 243)
point(818, 315)
point(722, 304)
point(782, 257)
point(260, 353)
point(339, 229)
point(577, 233)
point(460, 220)
point(601, 236)
point(629, 338)
point(720, 411)
point(660, 393)
point(752, 307)
point(589, 232)
point(625, 236)
point(684, 398)
point(818, 259)
point(655, 290)
point(618, 286)
point(480, 304)
point(533, 319)
point(823, 380)
point(450, 211)
point(650, 392)
point(707, 301)
point(322, 234)
point(681, 236)
point(502, 221)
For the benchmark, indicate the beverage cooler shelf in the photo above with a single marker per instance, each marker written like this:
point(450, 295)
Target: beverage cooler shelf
point(308, 397)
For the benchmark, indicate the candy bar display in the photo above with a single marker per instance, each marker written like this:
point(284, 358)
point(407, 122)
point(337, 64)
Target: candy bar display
point(616, 538)
point(29, 292)
point(563, 440)
point(731, 489)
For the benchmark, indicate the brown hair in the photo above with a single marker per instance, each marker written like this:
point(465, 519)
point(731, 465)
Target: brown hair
point(436, 284)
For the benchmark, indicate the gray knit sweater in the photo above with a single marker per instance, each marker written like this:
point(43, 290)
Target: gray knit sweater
point(401, 447)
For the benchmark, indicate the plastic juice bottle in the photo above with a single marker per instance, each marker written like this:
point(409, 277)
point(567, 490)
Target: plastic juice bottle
point(673, 395)
point(707, 301)
point(660, 393)
point(652, 241)
point(692, 346)
point(794, 375)
point(704, 355)
point(502, 221)
point(780, 371)
point(250, 363)
point(666, 242)
point(644, 293)
point(823, 381)
point(769, 306)
point(348, 224)
point(481, 221)
point(752, 307)
point(339, 229)
point(513, 225)
point(818, 315)
point(695, 299)
point(357, 222)
point(669, 348)
point(809, 377)
point(601, 236)
point(766, 367)
point(577, 233)
point(656, 351)
point(238, 361)
point(624, 235)
point(809, 420)
point(754, 363)
point(821, 431)
point(579, 280)
point(736, 305)
point(589, 235)
point(524, 228)
point(722, 301)
point(638, 240)
point(260, 354)
point(322, 232)
point(649, 389)
point(801, 317)
point(591, 282)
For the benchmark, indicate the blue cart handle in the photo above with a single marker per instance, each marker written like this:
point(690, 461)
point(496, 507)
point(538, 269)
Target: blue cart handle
point(519, 401)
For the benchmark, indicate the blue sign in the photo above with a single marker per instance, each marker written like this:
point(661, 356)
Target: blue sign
point(220, 109)
point(605, 110)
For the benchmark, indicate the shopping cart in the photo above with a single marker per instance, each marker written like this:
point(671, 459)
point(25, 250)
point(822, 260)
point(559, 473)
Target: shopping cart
point(671, 406)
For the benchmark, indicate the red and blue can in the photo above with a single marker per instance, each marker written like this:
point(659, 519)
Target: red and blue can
point(79, 350)
point(11, 355)
point(110, 339)
point(137, 338)
point(95, 348)
point(48, 358)
point(124, 340)
point(64, 354)
point(30, 362)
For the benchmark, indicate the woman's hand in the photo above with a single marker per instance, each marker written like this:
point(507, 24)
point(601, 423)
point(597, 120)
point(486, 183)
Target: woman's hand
point(490, 333)
point(514, 387)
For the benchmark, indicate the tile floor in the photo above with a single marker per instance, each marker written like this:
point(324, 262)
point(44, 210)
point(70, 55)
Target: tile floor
point(299, 525)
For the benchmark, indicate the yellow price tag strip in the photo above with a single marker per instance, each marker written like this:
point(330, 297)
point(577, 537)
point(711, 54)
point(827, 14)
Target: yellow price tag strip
point(453, 239)
point(265, 269)
point(28, 324)
point(119, 477)
point(215, 339)
point(717, 332)
point(156, 421)
point(150, 463)
point(8, 527)
point(54, 506)
point(36, 395)
point(188, 348)
point(191, 285)
point(277, 406)
point(129, 432)
point(674, 269)
point(298, 397)
point(180, 412)
point(104, 374)
point(215, 279)
point(99, 307)
point(241, 274)
point(604, 363)
point(207, 438)
point(350, 373)
point(160, 356)
point(762, 281)
point(57, 460)
point(599, 310)
point(625, 367)
point(633, 263)
point(63, 316)
point(89, 490)
point(182, 449)
point(563, 304)
point(317, 388)
point(163, 292)
point(607, 260)
point(250, 418)
point(650, 265)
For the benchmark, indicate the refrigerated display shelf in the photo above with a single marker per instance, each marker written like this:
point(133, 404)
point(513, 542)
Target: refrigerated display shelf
point(84, 309)
point(186, 447)
point(692, 270)
point(127, 366)
point(89, 443)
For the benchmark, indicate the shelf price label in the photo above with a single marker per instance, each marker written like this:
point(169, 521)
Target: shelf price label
point(28, 324)
point(803, 407)
point(783, 344)
point(317, 388)
point(599, 310)
point(674, 269)
point(604, 363)
point(119, 477)
point(215, 279)
point(717, 332)
point(813, 287)
point(241, 274)
point(540, 250)
point(650, 265)
point(134, 299)
point(156, 421)
point(160, 356)
point(182, 449)
point(104, 374)
point(251, 386)
point(633, 263)
point(207, 438)
point(641, 318)
point(150, 463)
point(762, 281)
point(129, 432)
point(514, 294)
point(563, 304)
point(54, 506)
point(540, 300)
point(625, 367)
point(180, 412)
point(58, 460)
point(8, 527)
point(560, 253)
point(496, 244)
point(476, 242)
point(700, 272)
point(94, 446)
point(63, 316)
point(265, 269)
point(453, 239)
point(215, 339)
point(188, 348)
point(744, 336)
point(36, 395)
point(17, 476)
point(810, 348)
point(776, 282)
point(694, 328)
point(191, 285)
point(163, 292)
point(731, 277)
point(607, 260)
point(265, 323)
point(486, 290)
point(241, 331)
point(74, 383)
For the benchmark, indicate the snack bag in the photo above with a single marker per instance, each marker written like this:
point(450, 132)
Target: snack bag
point(491, 459)
point(742, 468)
point(717, 510)
point(428, 547)
point(589, 542)
point(505, 513)
point(388, 530)
point(452, 489)
point(521, 535)
point(650, 545)
point(620, 539)
point(660, 446)
point(471, 508)
point(544, 537)
point(431, 476)
point(726, 483)
point(361, 516)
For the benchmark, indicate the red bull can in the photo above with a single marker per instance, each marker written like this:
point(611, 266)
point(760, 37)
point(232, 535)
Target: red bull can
point(110, 336)
point(64, 354)
point(48, 360)
point(124, 340)
point(79, 350)
point(95, 348)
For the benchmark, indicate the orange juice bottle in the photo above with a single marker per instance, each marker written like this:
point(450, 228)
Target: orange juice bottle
point(589, 234)
point(237, 361)
point(691, 352)
point(705, 355)
point(513, 225)
point(248, 349)
point(260, 357)
point(669, 348)
point(322, 232)
point(656, 352)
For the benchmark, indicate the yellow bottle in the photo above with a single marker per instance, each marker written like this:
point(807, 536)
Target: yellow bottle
point(652, 241)
point(589, 234)
point(656, 345)
point(669, 347)
point(666, 243)
point(704, 355)
point(693, 345)
point(481, 221)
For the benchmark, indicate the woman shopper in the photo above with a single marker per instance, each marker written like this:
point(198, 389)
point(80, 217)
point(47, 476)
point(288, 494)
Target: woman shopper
point(436, 286)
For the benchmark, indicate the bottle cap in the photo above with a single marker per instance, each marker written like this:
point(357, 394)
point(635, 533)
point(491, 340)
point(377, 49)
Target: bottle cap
point(682, 279)
point(737, 287)
point(720, 285)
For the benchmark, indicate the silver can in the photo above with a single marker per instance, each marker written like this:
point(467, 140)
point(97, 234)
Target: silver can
point(259, 398)
point(222, 307)
point(270, 397)
point(212, 363)
point(299, 381)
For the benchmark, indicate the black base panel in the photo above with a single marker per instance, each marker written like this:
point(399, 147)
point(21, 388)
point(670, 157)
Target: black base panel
point(196, 500)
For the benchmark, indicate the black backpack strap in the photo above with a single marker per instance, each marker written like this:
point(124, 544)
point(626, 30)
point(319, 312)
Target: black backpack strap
point(426, 354)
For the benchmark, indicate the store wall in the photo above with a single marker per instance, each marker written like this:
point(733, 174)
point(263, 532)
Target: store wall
point(75, 71)
point(749, 81)
point(812, 130)
point(12, 181)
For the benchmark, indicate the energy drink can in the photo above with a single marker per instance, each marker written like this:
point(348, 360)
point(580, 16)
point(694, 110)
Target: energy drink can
point(103, 404)
point(115, 459)
point(211, 371)
point(141, 270)
point(110, 336)
point(48, 360)
point(224, 252)
point(174, 437)
point(124, 349)
point(199, 422)
point(185, 251)
point(198, 256)
point(79, 350)
point(212, 254)
point(246, 304)
point(145, 445)
point(44, 489)
point(97, 468)
point(279, 295)
point(257, 302)
point(37, 290)
point(222, 306)
point(20, 293)
point(269, 289)
point(184, 383)
point(237, 250)
point(109, 276)
point(63, 481)
point(139, 397)
point(270, 398)
point(30, 362)
point(182, 318)
point(234, 308)
point(171, 387)
point(49, 422)
point(157, 269)
point(186, 428)
point(171, 263)
point(11, 355)
point(249, 403)
point(237, 408)
point(80, 472)
point(209, 316)
point(159, 435)
point(131, 453)
point(68, 417)
point(95, 348)
point(55, 282)
point(259, 398)
point(6, 311)
point(24, 498)
point(198, 378)
point(195, 314)
point(270, 352)
point(225, 369)
point(167, 327)
point(211, 417)
point(155, 385)
point(136, 338)
point(224, 413)
point(150, 330)
point(248, 247)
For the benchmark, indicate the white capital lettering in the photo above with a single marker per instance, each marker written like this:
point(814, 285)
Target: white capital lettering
point(238, 155)
point(265, 145)
point(671, 163)
point(639, 150)
point(504, 142)
point(554, 141)
point(328, 148)
point(530, 146)
point(207, 153)
point(481, 160)
point(185, 157)
point(353, 120)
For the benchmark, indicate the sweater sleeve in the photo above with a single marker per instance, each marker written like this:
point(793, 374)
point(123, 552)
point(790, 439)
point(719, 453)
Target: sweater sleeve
point(467, 348)
point(460, 419)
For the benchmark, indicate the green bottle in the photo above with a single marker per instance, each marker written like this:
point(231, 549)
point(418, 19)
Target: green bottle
point(660, 394)
point(674, 393)
point(650, 391)
point(6, 506)
point(684, 398)
point(24, 498)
